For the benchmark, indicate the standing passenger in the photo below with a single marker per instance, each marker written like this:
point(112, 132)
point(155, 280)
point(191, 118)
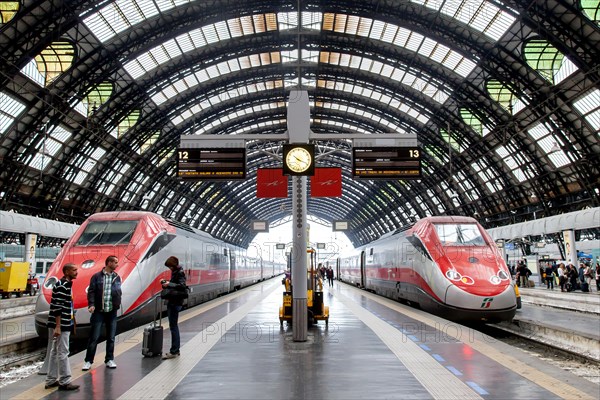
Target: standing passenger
point(330, 276)
point(61, 321)
point(104, 300)
point(174, 303)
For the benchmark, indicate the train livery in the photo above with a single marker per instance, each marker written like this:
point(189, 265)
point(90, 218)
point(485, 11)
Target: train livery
point(446, 265)
point(143, 241)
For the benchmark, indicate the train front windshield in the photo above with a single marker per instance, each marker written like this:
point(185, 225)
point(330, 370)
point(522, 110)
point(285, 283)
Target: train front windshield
point(107, 232)
point(459, 235)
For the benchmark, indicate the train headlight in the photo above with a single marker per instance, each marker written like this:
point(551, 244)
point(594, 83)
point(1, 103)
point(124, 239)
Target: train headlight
point(453, 275)
point(50, 282)
point(87, 264)
point(503, 275)
point(495, 280)
point(467, 280)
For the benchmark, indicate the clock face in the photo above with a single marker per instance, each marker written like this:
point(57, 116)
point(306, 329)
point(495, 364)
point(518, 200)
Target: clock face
point(298, 159)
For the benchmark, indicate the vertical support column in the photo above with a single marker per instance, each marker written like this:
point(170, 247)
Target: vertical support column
point(570, 248)
point(29, 256)
point(299, 260)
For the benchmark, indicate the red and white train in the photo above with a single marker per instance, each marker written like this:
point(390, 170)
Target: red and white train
point(446, 265)
point(143, 241)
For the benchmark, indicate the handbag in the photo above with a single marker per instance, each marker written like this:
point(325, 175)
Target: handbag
point(174, 293)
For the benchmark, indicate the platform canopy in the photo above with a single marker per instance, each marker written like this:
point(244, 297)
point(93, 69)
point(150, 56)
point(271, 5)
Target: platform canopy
point(503, 96)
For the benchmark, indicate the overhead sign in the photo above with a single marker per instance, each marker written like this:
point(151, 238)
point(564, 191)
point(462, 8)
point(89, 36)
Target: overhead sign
point(341, 226)
point(386, 162)
point(211, 163)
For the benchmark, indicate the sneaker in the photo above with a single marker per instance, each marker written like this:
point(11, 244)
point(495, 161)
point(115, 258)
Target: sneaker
point(51, 385)
point(86, 366)
point(68, 386)
point(111, 364)
point(168, 356)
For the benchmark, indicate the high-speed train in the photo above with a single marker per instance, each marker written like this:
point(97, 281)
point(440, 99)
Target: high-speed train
point(143, 241)
point(446, 265)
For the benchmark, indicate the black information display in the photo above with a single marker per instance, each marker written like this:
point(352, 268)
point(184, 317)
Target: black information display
point(211, 163)
point(386, 162)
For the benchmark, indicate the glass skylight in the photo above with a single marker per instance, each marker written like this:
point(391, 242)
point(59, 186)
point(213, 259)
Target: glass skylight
point(550, 144)
point(398, 103)
point(193, 78)
point(10, 109)
point(48, 147)
point(198, 38)
point(589, 106)
point(512, 163)
point(480, 15)
point(401, 37)
point(246, 111)
point(229, 94)
point(426, 85)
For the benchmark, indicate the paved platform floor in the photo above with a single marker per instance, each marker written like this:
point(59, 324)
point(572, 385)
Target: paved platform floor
point(373, 348)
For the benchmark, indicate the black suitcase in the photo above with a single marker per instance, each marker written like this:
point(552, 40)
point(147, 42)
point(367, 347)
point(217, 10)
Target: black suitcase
point(153, 337)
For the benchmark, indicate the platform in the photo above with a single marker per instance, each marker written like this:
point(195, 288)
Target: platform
point(374, 348)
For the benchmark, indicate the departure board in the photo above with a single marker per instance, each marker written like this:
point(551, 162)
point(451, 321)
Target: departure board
point(211, 163)
point(386, 162)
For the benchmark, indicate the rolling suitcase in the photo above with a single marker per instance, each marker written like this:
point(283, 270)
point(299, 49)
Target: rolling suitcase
point(153, 337)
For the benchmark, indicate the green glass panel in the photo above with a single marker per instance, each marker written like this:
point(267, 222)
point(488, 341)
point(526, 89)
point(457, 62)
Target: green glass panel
point(98, 96)
point(8, 9)
point(543, 57)
point(592, 9)
point(127, 123)
point(471, 120)
point(501, 93)
point(451, 139)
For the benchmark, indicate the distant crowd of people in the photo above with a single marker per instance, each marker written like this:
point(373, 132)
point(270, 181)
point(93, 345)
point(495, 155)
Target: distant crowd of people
point(567, 277)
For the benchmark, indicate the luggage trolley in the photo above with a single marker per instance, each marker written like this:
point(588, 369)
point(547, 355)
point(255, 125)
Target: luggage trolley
point(317, 310)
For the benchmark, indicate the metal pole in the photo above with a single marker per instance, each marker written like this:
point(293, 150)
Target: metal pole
point(299, 260)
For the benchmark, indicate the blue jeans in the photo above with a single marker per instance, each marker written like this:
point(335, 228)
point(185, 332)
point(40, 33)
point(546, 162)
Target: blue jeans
point(109, 319)
point(173, 313)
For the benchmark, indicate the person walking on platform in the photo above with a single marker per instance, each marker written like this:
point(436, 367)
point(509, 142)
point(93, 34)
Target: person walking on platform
point(598, 276)
point(174, 303)
point(330, 276)
point(61, 321)
point(549, 277)
point(104, 299)
point(562, 276)
point(588, 276)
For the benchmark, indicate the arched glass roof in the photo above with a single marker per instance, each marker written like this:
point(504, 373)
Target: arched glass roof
point(503, 97)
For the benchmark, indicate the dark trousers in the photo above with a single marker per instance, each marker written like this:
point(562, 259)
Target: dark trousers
point(173, 312)
point(109, 319)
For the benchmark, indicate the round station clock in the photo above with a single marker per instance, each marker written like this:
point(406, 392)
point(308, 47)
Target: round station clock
point(298, 159)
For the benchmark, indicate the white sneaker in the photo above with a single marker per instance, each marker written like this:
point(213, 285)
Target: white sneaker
point(86, 366)
point(111, 364)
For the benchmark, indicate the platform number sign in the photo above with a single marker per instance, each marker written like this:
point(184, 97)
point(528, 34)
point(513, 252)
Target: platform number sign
point(211, 163)
point(386, 162)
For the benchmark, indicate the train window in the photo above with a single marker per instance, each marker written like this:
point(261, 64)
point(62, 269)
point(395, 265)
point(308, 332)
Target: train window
point(107, 232)
point(39, 267)
point(459, 235)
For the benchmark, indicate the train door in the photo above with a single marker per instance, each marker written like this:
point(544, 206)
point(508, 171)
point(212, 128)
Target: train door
point(232, 266)
point(363, 270)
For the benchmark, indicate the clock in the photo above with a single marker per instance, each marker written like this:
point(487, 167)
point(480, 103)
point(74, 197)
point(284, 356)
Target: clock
point(298, 159)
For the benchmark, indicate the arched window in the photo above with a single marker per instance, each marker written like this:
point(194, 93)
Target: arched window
point(504, 96)
point(592, 9)
point(8, 9)
point(543, 57)
point(98, 96)
point(473, 122)
point(54, 60)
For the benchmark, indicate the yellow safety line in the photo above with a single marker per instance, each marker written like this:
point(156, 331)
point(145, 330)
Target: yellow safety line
point(548, 382)
point(39, 392)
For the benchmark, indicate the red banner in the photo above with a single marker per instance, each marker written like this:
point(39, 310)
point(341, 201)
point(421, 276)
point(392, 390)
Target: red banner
point(270, 182)
point(327, 182)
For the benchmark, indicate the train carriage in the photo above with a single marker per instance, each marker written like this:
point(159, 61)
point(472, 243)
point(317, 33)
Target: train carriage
point(143, 241)
point(446, 265)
